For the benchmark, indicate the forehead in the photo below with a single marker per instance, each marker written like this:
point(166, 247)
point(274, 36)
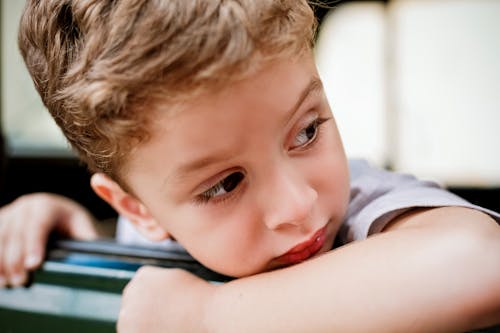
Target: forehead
point(218, 121)
point(274, 83)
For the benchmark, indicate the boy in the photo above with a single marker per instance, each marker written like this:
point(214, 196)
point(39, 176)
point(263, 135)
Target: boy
point(206, 121)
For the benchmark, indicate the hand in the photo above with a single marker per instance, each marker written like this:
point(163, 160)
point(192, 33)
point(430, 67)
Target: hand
point(164, 300)
point(24, 228)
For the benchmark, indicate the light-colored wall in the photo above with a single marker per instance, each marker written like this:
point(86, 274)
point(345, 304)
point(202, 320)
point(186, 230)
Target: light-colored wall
point(446, 89)
point(350, 55)
point(26, 123)
point(417, 86)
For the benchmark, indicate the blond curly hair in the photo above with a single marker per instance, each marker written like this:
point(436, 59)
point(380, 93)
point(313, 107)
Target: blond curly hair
point(98, 65)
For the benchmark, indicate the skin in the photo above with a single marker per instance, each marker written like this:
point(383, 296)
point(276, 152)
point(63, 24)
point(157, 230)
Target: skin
point(22, 245)
point(294, 176)
point(415, 276)
point(292, 186)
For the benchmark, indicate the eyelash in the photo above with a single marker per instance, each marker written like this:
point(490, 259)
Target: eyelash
point(317, 131)
point(209, 195)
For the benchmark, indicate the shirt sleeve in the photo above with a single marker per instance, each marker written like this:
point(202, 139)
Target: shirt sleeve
point(378, 196)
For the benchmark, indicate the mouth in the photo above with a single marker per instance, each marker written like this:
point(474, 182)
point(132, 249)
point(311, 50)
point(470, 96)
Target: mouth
point(304, 250)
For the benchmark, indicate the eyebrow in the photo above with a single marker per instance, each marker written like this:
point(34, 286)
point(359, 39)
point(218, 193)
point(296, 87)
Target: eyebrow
point(314, 85)
point(197, 164)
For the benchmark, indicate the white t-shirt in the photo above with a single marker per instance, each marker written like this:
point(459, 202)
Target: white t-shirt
point(377, 197)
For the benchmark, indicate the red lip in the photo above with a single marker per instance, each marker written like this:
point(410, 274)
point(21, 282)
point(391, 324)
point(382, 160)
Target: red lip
point(304, 250)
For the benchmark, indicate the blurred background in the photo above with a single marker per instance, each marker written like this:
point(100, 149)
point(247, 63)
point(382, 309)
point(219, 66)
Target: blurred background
point(414, 86)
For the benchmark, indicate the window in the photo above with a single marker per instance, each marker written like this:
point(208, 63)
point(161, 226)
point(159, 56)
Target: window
point(414, 86)
point(27, 125)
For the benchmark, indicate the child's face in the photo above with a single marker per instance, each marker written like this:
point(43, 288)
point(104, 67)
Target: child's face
point(251, 178)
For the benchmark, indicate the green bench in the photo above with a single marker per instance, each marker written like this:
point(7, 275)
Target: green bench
point(78, 288)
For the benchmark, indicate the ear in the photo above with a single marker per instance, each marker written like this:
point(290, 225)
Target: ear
point(128, 206)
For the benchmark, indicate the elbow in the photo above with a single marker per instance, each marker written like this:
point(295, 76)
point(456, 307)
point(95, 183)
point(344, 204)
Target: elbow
point(474, 248)
point(488, 255)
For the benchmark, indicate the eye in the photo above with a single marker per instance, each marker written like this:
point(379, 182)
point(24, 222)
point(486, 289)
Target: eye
point(225, 186)
point(308, 134)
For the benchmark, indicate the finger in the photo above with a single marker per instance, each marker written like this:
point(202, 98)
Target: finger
point(3, 227)
point(81, 225)
point(14, 254)
point(34, 243)
point(40, 224)
point(68, 217)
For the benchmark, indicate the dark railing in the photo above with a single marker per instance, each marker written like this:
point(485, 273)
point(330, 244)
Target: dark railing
point(78, 288)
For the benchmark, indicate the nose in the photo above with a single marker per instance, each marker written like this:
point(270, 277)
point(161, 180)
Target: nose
point(289, 201)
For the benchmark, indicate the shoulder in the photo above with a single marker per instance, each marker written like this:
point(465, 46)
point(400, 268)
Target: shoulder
point(379, 196)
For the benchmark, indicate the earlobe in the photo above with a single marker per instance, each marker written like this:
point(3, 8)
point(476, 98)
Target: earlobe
point(128, 206)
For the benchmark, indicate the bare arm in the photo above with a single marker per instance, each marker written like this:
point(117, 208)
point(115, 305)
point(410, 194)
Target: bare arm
point(432, 271)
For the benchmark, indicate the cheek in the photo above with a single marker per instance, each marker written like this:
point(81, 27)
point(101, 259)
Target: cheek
point(332, 183)
point(226, 243)
point(337, 198)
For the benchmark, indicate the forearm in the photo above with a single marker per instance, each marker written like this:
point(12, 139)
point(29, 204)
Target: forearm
point(408, 280)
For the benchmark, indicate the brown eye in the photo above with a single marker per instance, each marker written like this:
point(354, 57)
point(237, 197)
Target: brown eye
point(308, 134)
point(225, 186)
point(230, 182)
